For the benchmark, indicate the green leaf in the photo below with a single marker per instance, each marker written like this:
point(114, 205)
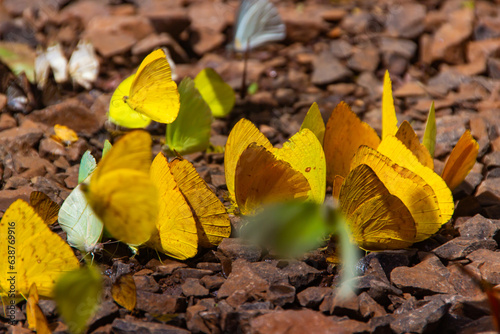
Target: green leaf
point(216, 92)
point(87, 166)
point(106, 148)
point(290, 229)
point(314, 122)
point(190, 132)
point(19, 58)
point(77, 294)
point(429, 139)
point(253, 88)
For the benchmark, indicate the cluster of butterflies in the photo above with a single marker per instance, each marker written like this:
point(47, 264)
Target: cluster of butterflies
point(386, 188)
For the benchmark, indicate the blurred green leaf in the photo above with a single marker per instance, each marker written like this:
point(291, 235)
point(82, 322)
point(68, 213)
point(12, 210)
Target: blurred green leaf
point(78, 294)
point(106, 148)
point(216, 92)
point(253, 88)
point(19, 58)
point(190, 132)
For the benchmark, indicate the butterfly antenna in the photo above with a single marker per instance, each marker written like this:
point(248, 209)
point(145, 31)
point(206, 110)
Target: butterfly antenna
point(243, 90)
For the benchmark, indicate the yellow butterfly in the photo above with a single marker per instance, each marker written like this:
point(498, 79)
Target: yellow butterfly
point(190, 213)
point(31, 253)
point(120, 191)
point(257, 174)
point(148, 94)
point(378, 219)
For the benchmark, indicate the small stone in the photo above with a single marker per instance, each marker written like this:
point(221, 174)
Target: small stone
point(300, 274)
point(146, 283)
point(302, 26)
point(6, 120)
point(157, 304)
point(345, 305)
point(312, 296)
point(422, 319)
point(427, 277)
point(463, 283)
point(327, 69)
point(237, 248)
point(242, 283)
point(7, 197)
point(341, 49)
point(365, 58)
point(169, 268)
point(213, 266)
point(406, 20)
point(281, 294)
point(199, 317)
point(369, 308)
point(478, 227)
point(488, 192)
point(21, 138)
point(294, 322)
point(212, 282)
point(487, 263)
point(192, 287)
point(460, 247)
point(131, 325)
point(182, 274)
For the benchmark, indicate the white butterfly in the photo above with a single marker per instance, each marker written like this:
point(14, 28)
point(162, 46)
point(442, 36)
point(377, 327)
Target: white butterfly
point(258, 22)
point(83, 65)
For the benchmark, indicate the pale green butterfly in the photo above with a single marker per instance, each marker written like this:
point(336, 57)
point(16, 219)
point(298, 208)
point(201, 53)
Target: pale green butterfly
point(216, 92)
point(82, 226)
point(190, 132)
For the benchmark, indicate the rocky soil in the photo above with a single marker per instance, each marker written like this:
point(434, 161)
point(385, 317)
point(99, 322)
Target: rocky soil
point(442, 51)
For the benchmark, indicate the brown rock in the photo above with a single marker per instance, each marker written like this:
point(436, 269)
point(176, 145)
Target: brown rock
point(21, 138)
point(85, 10)
point(422, 319)
point(301, 26)
point(72, 114)
point(212, 282)
point(242, 283)
point(182, 274)
point(204, 317)
point(6, 120)
point(7, 197)
point(463, 283)
point(357, 22)
point(146, 283)
point(131, 325)
point(333, 15)
point(153, 41)
point(312, 296)
point(114, 35)
point(157, 304)
point(488, 192)
point(488, 264)
point(192, 287)
point(341, 49)
point(369, 308)
point(478, 227)
point(427, 277)
point(460, 247)
point(328, 69)
point(237, 248)
point(166, 16)
point(406, 20)
point(168, 268)
point(300, 274)
point(448, 39)
point(205, 41)
point(365, 58)
point(294, 322)
point(408, 89)
point(281, 294)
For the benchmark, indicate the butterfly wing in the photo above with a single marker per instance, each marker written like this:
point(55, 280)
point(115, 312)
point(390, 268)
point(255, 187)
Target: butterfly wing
point(153, 92)
point(314, 122)
point(378, 219)
point(394, 149)
point(409, 138)
point(258, 22)
point(461, 160)
point(46, 208)
point(176, 233)
point(416, 194)
point(344, 134)
point(304, 153)
point(83, 228)
point(263, 179)
point(211, 215)
point(243, 134)
point(41, 256)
